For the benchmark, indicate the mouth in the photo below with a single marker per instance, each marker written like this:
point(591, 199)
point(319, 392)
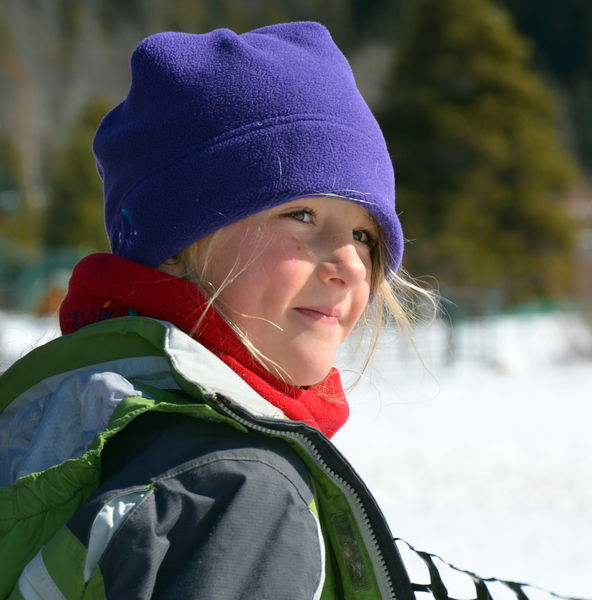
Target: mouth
point(327, 315)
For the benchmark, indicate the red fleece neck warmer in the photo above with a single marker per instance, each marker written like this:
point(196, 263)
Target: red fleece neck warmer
point(104, 286)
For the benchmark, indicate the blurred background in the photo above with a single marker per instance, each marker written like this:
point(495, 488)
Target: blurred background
point(487, 110)
point(486, 106)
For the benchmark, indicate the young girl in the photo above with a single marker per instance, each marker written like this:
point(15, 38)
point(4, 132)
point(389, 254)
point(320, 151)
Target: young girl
point(174, 442)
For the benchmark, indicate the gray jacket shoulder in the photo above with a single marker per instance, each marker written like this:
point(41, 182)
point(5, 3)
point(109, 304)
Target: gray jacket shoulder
point(203, 511)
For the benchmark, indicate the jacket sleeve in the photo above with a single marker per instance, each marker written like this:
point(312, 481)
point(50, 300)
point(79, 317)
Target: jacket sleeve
point(198, 510)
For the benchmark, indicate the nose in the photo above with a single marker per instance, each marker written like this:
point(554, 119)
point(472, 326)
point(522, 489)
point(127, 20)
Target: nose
point(343, 266)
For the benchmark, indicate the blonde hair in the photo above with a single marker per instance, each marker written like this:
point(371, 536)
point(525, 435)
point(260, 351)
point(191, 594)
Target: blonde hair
point(395, 297)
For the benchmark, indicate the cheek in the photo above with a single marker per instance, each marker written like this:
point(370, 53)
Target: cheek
point(281, 266)
point(360, 302)
point(261, 283)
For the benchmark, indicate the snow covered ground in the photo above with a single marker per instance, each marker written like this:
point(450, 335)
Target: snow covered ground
point(488, 461)
point(485, 459)
point(21, 333)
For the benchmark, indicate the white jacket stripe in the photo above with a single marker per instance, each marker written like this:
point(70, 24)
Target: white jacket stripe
point(35, 582)
point(106, 523)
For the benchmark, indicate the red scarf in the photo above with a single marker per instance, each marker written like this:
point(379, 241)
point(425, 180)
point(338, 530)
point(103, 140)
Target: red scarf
point(104, 286)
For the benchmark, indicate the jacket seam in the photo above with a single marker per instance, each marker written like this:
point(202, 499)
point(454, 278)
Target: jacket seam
point(200, 464)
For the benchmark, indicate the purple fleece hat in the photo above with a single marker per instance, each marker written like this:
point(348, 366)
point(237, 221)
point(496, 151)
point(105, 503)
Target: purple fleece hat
point(220, 126)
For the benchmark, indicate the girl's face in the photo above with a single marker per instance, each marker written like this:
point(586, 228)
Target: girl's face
point(300, 280)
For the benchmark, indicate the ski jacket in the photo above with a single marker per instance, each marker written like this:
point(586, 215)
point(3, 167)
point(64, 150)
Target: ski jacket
point(136, 464)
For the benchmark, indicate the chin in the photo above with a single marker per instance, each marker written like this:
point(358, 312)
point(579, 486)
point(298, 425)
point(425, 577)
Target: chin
point(308, 378)
point(302, 368)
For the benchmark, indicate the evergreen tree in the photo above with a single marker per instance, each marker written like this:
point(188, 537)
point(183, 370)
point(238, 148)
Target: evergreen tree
point(481, 171)
point(562, 32)
point(74, 216)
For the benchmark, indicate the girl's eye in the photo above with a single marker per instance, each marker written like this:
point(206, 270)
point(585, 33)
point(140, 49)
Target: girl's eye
point(361, 235)
point(305, 215)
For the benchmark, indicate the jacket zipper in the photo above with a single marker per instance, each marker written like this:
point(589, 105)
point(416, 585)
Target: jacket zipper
point(359, 511)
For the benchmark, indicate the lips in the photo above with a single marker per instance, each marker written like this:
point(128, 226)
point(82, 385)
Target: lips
point(324, 314)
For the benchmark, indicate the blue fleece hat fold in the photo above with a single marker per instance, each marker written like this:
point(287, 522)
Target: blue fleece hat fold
point(218, 126)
